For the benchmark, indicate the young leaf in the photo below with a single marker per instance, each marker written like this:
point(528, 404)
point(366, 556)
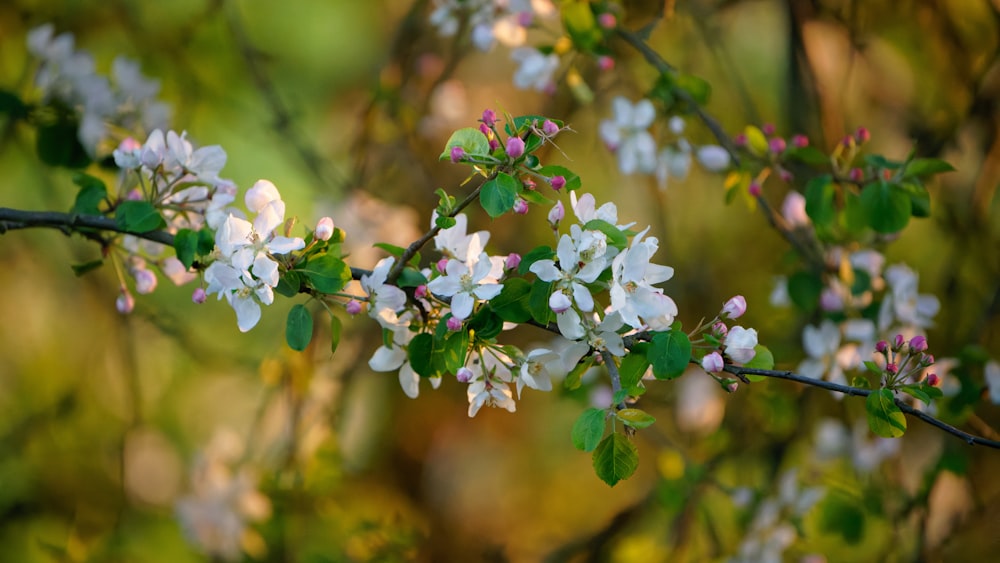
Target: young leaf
point(615, 458)
point(884, 416)
point(498, 195)
point(820, 206)
point(471, 140)
point(588, 429)
point(538, 302)
point(326, 273)
point(289, 284)
point(919, 167)
point(420, 352)
point(633, 366)
point(636, 418)
point(138, 217)
point(186, 246)
point(335, 329)
point(887, 207)
point(453, 352)
point(616, 238)
point(299, 328)
point(92, 193)
point(392, 249)
point(762, 359)
point(916, 392)
point(670, 353)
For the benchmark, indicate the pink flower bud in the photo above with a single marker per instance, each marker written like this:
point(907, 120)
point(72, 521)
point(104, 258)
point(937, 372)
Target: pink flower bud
point(454, 324)
point(605, 63)
point(420, 291)
point(485, 130)
point(926, 360)
point(785, 176)
point(768, 129)
point(918, 344)
point(494, 144)
point(557, 182)
point(353, 307)
point(464, 375)
point(882, 347)
point(847, 141)
point(856, 175)
point(735, 307)
point(457, 154)
point(145, 281)
point(732, 387)
point(559, 302)
point(898, 342)
point(198, 296)
point(740, 140)
point(442, 265)
point(607, 21)
point(135, 194)
point(713, 363)
point(513, 261)
point(125, 302)
point(528, 183)
point(720, 330)
point(556, 214)
point(525, 19)
point(520, 206)
point(933, 380)
point(489, 117)
point(800, 141)
point(550, 128)
point(324, 228)
point(892, 368)
point(755, 189)
point(862, 135)
point(515, 147)
point(776, 145)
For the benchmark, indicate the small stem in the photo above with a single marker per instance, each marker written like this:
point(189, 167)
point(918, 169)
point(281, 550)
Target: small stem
point(616, 378)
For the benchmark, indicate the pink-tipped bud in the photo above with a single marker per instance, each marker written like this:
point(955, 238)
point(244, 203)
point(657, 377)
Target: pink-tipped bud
point(198, 296)
point(847, 141)
point(882, 347)
point(856, 175)
point(557, 182)
point(494, 144)
point(755, 189)
point(489, 117)
point(776, 145)
point(145, 281)
point(898, 342)
point(740, 140)
point(525, 19)
point(125, 302)
point(454, 324)
point(442, 265)
point(713, 363)
point(732, 387)
point(607, 21)
point(892, 368)
point(550, 128)
point(513, 261)
point(457, 154)
point(353, 307)
point(735, 307)
point(520, 206)
point(135, 194)
point(464, 375)
point(515, 147)
point(559, 302)
point(720, 330)
point(862, 135)
point(785, 176)
point(800, 141)
point(420, 291)
point(528, 183)
point(768, 129)
point(324, 228)
point(485, 130)
point(918, 344)
point(933, 380)
point(926, 360)
point(556, 214)
point(605, 63)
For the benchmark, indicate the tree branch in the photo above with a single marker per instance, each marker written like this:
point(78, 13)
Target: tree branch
point(970, 439)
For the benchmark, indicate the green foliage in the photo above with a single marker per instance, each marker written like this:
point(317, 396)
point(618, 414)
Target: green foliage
point(189, 245)
point(12, 105)
point(573, 181)
point(538, 302)
point(534, 255)
point(92, 193)
point(616, 237)
point(472, 141)
point(820, 206)
point(887, 207)
point(497, 195)
point(513, 302)
point(804, 289)
point(86, 267)
point(326, 273)
point(922, 392)
point(762, 359)
point(589, 429)
point(669, 353)
point(634, 365)
point(420, 352)
point(615, 458)
point(336, 328)
point(581, 26)
point(486, 323)
point(636, 418)
point(839, 515)
point(884, 416)
point(138, 217)
point(299, 328)
point(57, 144)
point(410, 277)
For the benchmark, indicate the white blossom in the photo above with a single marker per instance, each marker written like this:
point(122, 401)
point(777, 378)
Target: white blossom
point(626, 133)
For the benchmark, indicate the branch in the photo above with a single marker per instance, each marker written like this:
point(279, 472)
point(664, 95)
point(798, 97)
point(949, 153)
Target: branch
point(970, 439)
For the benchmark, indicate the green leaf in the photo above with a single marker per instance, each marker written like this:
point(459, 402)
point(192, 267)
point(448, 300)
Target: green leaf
point(186, 246)
point(820, 205)
point(634, 365)
point(92, 193)
point(879, 161)
point(411, 277)
point(588, 429)
point(669, 354)
point(299, 328)
point(536, 254)
point(486, 323)
point(575, 375)
point(392, 249)
point(636, 418)
point(206, 242)
point(454, 350)
point(289, 284)
point(920, 198)
point(699, 89)
point(615, 459)
point(887, 207)
point(521, 123)
point(81, 269)
point(497, 196)
point(854, 219)
point(538, 302)
point(860, 382)
point(573, 181)
point(512, 304)
point(839, 515)
point(472, 141)
point(420, 353)
point(12, 105)
point(916, 392)
point(615, 236)
point(445, 222)
point(920, 167)
point(762, 359)
point(336, 327)
point(804, 290)
point(326, 273)
point(884, 416)
point(138, 217)
point(808, 155)
point(58, 145)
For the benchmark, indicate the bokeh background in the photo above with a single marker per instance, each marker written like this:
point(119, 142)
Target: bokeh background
point(345, 105)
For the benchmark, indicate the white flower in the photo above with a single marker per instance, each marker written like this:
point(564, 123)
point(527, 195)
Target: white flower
point(673, 163)
point(534, 371)
point(490, 384)
point(902, 303)
point(713, 158)
point(535, 69)
point(627, 135)
point(740, 343)
point(393, 357)
point(386, 300)
point(632, 292)
point(465, 283)
point(453, 242)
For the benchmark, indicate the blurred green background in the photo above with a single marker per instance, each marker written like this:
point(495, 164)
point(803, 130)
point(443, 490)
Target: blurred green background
point(345, 106)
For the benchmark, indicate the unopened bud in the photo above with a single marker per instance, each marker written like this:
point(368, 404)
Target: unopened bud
point(926, 360)
point(768, 129)
point(734, 307)
point(720, 330)
point(353, 307)
point(607, 21)
point(525, 19)
point(515, 147)
point(800, 141)
point(776, 145)
point(550, 128)
point(324, 228)
point(145, 281)
point(420, 291)
point(740, 140)
point(125, 302)
point(454, 323)
point(882, 347)
point(557, 182)
point(556, 214)
point(198, 296)
point(457, 154)
point(605, 63)
point(898, 341)
point(713, 363)
point(520, 206)
point(892, 368)
point(442, 265)
point(513, 261)
point(933, 380)
point(732, 387)
point(862, 135)
point(918, 343)
point(464, 375)
point(755, 189)
point(856, 175)
point(489, 117)
point(528, 183)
